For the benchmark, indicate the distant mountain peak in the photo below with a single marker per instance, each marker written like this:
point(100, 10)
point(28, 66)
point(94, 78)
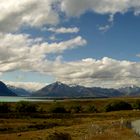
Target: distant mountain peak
point(5, 91)
point(58, 83)
point(2, 83)
point(59, 89)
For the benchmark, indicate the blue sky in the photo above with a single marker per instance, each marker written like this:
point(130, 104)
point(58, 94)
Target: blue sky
point(75, 42)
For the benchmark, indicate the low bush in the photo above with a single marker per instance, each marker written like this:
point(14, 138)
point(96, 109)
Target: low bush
point(59, 136)
point(5, 108)
point(57, 109)
point(136, 104)
point(90, 109)
point(76, 109)
point(26, 107)
point(117, 106)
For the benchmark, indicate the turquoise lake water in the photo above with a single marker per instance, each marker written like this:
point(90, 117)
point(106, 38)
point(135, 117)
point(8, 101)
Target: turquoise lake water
point(18, 99)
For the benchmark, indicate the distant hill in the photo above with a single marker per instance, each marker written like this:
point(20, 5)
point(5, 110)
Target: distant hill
point(5, 91)
point(59, 89)
point(19, 91)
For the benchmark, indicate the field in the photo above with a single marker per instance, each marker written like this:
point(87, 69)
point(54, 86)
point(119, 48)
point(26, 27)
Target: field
point(81, 121)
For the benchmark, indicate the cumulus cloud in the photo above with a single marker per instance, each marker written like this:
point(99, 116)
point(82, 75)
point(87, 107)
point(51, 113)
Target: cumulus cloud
point(106, 72)
point(20, 51)
point(78, 7)
point(23, 52)
point(64, 30)
point(36, 13)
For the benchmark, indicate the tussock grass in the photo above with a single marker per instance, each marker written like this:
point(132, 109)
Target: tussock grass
point(81, 119)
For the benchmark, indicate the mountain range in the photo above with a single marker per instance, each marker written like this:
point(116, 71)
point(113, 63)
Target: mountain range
point(58, 89)
point(19, 91)
point(61, 90)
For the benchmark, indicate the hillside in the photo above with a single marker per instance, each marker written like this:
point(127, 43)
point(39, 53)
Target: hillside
point(59, 89)
point(5, 91)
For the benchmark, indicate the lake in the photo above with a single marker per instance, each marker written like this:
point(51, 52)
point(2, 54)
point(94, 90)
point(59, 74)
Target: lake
point(18, 99)
point(136, 126)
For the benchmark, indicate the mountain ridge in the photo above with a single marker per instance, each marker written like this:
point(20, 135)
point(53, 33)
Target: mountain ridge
point(59, 89)
point(19, 91)
point(5, 91)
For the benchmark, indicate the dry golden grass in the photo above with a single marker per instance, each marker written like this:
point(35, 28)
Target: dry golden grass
point(86, 129)
point(82, 126)
point(105, 130)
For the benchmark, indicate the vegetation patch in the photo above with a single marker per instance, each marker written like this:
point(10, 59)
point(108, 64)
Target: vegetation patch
point(59, 136)
point(117, 106)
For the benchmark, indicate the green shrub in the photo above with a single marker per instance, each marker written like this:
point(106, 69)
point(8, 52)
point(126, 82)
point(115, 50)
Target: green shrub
point(136, 104)
point(57, 109)
point(117, 106)
point(26, 107)
point(59, 136)
point(91, 109)
point(75, 109)
point(5, 108)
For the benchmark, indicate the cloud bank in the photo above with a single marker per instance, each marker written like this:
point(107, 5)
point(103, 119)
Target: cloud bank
point(31, 86)
point(106, 72)
point(23, 53)
point(78, 7)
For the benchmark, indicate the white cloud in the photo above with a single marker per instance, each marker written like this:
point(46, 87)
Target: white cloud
point(138, 55)
point(111, 18)
point(34, 13)
point(104, 28)
point(20, 51)
point(106, 72)
point(78, 7)
point(64, 30)
point(53, 38)
point(31, 86)
point(38, 13)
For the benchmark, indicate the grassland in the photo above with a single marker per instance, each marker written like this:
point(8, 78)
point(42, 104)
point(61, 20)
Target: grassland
point(81, 124)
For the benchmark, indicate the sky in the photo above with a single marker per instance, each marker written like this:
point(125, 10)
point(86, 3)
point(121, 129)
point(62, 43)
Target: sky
point(84, 42)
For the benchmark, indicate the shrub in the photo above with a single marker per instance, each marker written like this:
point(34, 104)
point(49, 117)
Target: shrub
point(136, 104)
point(91, 109)
point(57, 109)
point(59, 136)
point(5, 108)
point(26, 107)
point(117, 105)
point(75, 109)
